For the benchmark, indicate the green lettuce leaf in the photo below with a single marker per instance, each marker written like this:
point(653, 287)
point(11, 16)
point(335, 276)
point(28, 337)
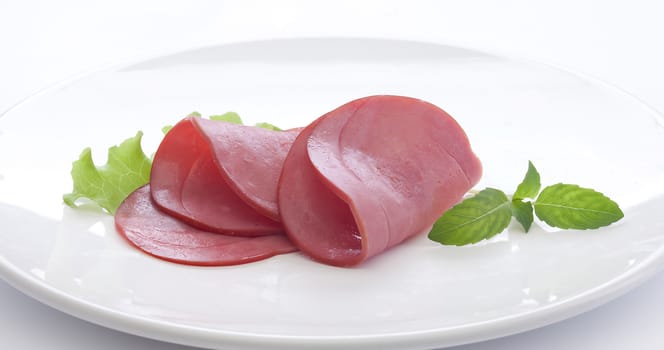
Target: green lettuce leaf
point(166, 128)
point(268, 126)
point(108, 185)
point(230, 117)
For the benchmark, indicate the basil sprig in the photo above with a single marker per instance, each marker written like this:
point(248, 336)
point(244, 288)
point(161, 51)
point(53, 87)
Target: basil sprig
point(490, 211)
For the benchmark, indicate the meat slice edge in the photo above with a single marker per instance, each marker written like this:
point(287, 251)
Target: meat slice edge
point(315, 218)
point(250, 160)
point(184, 175)
point(156, 233)
point(217, 208)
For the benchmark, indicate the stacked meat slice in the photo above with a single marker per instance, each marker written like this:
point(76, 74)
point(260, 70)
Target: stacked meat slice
point(355, 182)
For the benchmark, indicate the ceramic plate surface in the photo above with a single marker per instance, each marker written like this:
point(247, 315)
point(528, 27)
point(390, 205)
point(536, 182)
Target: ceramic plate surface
point(418, 295)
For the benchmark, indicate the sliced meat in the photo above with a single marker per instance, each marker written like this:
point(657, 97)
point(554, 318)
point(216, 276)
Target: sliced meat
point(165, 237)
point(370, 174)
point(221, 176)
point(251, 159)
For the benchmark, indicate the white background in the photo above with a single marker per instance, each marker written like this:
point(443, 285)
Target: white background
point(618, 41)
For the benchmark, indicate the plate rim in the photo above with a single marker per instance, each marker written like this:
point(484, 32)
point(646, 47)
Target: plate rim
point(444, 336)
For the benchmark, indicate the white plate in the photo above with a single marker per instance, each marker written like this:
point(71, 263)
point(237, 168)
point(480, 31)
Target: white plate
point(417, 295)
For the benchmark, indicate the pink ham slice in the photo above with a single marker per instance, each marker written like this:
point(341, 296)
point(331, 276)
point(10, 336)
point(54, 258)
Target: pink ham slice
point(165, 237)
point(368, 175)
point(220, 176)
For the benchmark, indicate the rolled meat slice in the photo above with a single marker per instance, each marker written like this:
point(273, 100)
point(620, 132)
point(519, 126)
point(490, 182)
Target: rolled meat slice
point(167, 238)
point(371, 173)
point(220, 176)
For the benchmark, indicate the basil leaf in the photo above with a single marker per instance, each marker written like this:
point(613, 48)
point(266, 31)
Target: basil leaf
point(523, 213)
point(530, 186)
point(476, 218)
point(573, 207)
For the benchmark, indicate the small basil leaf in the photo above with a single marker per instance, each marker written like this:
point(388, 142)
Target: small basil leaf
point(523, 213)
point(530, 186)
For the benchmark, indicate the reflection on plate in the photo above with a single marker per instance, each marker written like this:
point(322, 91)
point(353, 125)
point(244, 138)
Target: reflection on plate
point(418, 295)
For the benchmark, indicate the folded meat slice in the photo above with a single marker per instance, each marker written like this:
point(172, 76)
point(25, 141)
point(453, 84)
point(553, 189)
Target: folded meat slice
point(221, 176)
point(371, 173)
point(165, 237)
